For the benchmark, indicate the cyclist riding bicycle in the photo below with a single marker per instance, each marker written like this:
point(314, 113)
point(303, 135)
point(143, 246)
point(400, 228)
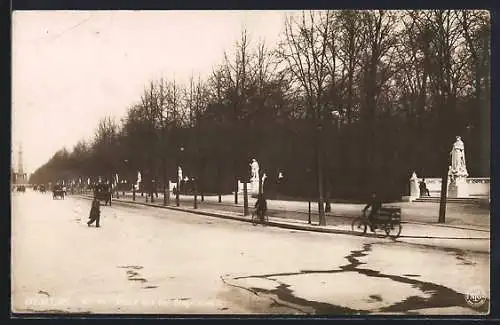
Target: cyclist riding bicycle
point(261, 206)
point(375, 204)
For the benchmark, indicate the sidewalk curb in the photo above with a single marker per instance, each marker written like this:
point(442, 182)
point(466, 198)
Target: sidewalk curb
point(283, 225)
point(270, 223)
point(465, 227)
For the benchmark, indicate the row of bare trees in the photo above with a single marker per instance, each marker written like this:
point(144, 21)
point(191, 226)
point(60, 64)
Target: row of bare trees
point(348, 100)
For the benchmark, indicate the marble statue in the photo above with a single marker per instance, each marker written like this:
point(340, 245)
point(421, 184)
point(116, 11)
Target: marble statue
point(458, 167)
point(255, 169)
point(414, 190)
point(458, 186)
point(179, 173)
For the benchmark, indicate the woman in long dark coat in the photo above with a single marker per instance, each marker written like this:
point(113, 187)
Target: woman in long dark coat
point(95, 213)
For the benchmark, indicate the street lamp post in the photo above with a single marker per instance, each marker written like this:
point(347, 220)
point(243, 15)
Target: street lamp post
point(308, 172)
point(146, 178)
point(195, 192)
point(177, 203)
point(319, 162)
point(336, 117)
point(245, 198)
point(153, 187)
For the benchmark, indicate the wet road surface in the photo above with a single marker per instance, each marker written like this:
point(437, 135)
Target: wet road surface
point(147, 260)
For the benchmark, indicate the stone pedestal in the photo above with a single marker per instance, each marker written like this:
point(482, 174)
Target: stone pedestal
point(254, 187)
point(458, 188)
point(240, 187)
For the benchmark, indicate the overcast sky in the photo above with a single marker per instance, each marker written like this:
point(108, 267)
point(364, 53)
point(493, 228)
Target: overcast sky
point(71, 68)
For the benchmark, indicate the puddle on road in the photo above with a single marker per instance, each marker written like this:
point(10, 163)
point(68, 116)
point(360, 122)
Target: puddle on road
point(394, 293)
point(133, 275)
point(135, 267)
point(375, 297)
point(44, 293)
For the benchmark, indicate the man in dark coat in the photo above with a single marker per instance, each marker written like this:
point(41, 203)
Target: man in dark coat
point(95, 213)
point(423, 188)
point(375, 204)
point(261, 206)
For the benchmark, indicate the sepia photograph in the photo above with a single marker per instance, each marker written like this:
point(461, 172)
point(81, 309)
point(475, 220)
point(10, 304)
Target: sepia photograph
point(250, 162)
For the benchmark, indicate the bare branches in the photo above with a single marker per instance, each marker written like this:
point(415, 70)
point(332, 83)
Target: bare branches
point(373, 65)
point(305, 51)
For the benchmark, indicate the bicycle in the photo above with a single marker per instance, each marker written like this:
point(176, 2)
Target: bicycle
point(386, 219)
point(256, 219)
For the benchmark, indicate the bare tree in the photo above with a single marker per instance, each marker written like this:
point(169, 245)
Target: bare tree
point(476, 31)
point(238, 74)
point(446, 60)
point(104, 146)
point(378, 30)
point(304, 52)
point(350, 44)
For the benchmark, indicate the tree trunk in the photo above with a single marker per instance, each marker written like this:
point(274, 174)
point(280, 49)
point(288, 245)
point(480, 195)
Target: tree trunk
point(319, 160)
point(444, 190)
point(236, 191)
point(195, 194)
point(219, 184)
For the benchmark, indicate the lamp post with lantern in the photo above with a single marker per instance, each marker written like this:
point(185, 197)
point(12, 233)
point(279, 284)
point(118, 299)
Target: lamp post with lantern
point(335, 114)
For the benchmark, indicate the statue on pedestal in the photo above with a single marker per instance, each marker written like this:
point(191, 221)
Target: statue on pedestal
point(414, 193)
point(458, 167)
point(179, 173)
point(458, 170)
point(254, 165)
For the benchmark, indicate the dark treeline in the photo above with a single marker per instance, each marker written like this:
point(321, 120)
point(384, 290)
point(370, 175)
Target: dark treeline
point(358, 99)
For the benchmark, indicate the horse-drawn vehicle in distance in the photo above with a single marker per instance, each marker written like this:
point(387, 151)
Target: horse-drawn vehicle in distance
point(103, 193)
point(41, 188)
point(57, 192)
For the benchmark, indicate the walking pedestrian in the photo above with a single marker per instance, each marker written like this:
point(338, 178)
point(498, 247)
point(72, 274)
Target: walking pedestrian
point(261, 207)
point(95, 213)
point(424, 191)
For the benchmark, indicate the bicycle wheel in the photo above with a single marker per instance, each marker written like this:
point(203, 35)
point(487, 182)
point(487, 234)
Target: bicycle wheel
point(393, 230)
point(359, 226)
point(254, 219)
point(264, 220)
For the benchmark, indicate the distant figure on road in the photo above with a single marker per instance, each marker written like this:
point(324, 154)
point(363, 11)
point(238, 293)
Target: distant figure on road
point(95, 213)
point(261, 206)
point(375, 204)
point(423, 188)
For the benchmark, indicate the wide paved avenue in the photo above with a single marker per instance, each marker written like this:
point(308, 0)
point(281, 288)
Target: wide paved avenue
point(150, 260)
